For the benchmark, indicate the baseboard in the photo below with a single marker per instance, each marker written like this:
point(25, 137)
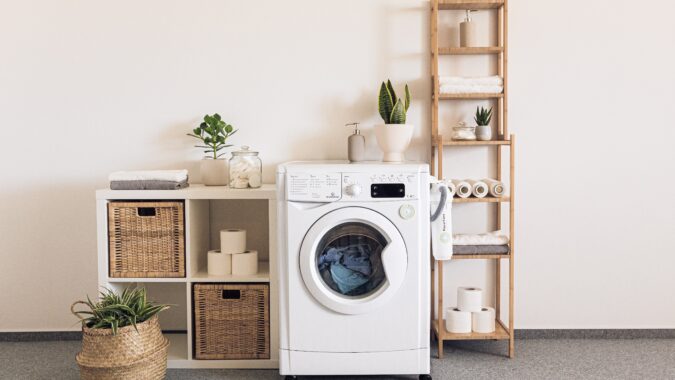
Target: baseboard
point(595, 333)
point(50, 336)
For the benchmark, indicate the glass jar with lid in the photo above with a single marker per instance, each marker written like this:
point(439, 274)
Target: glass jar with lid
point(245, 169)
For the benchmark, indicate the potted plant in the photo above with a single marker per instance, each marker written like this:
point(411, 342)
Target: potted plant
point(213, 132)
point(482, 119)
point(121, 337)
point(394, 135)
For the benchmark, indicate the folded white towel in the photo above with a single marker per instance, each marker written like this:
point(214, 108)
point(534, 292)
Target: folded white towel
point(471, 89)
point(489, 238)
point(494, 80)
point(150, 175)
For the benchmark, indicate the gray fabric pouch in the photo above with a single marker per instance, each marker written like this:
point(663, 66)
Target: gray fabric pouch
point(148, 185)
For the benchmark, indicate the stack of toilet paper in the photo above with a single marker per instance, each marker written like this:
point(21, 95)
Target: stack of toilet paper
point(470, 314)
point(477, 188)
point(232, 257)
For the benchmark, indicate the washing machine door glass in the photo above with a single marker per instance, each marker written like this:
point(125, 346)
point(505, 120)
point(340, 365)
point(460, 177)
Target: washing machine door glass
point(353, 260)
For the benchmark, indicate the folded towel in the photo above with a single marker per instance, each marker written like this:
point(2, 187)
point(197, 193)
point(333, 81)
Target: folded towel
point(470, 89)
point(490, 238)
point(480, 249)
point(494, 80)
point(148, 185)
point(150, 175)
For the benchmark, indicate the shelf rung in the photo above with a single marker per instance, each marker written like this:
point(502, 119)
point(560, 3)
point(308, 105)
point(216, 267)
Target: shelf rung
point(469, 96)
point(501, 332)
point(503, 199)
point(470, 4)
point(480, 257)
point(473, 143)
point(470, 50)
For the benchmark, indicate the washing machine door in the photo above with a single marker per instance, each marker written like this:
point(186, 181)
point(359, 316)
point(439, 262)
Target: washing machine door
point(353, 260)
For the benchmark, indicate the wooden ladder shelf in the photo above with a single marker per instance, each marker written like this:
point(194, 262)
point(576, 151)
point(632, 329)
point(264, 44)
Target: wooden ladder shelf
point(504, 140)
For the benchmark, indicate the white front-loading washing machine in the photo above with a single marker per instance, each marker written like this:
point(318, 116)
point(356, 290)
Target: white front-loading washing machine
point(354, 268)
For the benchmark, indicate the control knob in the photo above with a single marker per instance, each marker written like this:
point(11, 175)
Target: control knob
point(353, 190)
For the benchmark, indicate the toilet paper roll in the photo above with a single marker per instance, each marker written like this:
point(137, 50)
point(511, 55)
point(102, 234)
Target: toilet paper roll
point(245, 264)
point(457, 321)
point(483, 321)
point(463, 188)
point(495, 188)
point(232, 240)
point(479, 189)
point(452, 189)
point(218, 263)
point(469, 299)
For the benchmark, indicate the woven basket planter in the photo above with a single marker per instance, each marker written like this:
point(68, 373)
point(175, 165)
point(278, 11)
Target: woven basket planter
point(128, 355)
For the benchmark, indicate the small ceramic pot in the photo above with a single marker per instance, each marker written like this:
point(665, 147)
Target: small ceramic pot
point(214, 172)
point(394, 139)
point(483, 132)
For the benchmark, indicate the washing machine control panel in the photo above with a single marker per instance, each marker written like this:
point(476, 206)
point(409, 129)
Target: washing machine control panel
point(379, 186)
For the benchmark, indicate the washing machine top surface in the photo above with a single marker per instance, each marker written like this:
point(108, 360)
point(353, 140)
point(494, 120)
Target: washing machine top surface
point(341, 181)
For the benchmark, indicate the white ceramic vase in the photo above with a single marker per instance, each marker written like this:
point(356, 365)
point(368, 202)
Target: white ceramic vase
point(214, 172)
point(394, 139)
point(483, 132)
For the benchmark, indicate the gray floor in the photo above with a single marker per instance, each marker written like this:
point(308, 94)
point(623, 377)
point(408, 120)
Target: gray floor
point(536, 359)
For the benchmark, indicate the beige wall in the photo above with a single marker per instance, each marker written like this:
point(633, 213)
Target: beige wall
point(88, 87)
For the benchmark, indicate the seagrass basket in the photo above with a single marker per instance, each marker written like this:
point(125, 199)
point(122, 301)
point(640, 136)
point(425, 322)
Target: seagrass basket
point(128, 355)
point(146, 239)
point(231, 321)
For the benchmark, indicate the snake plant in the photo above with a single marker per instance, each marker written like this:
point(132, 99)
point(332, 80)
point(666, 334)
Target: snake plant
point(483, 116)
point(392, 108)
point(114, 311)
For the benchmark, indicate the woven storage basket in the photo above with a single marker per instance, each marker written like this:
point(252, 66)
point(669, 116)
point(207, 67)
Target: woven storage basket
point(147, 239)
point(231, 321)
point(129, 354)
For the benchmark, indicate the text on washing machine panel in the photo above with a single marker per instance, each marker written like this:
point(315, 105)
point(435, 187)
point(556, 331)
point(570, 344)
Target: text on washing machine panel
point(309, 187)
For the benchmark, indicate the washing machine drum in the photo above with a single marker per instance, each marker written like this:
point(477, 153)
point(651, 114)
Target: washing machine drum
point(353, 260)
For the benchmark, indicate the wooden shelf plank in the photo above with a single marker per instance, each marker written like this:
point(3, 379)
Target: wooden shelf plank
point(480, 257)
point(470, 50)
point(500, 333)
point(473, 143)
point(503, 199)
point(469, 96)
point(470, 4)
point(263, 275)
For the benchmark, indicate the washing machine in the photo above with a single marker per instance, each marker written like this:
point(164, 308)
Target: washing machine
point(354, 268)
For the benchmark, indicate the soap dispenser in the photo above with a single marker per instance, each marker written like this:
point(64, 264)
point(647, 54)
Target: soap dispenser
point(467, 31)
point(356, 144)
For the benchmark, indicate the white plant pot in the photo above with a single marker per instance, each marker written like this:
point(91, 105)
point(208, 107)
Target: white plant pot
point(394, 139)
point(214, 172)
point(483, 132)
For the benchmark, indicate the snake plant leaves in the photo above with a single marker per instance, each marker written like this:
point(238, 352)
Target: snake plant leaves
point(385, 103)
point(407, 98)
point(398, 113)
point(394, 98)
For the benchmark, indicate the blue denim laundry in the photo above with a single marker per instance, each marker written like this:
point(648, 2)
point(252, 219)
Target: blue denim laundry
point(350, 266)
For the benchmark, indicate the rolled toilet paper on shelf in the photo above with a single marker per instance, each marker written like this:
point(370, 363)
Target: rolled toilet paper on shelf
point(232, 240)
point(245, 263)
point(462, 188)
point(479, 189)
point(457, 321)
point(218, 263)
point(452, 189)
point(495, 188)
point(469, 298)
point(483, 321)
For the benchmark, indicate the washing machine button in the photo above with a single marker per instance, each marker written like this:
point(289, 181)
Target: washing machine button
point(406, 211)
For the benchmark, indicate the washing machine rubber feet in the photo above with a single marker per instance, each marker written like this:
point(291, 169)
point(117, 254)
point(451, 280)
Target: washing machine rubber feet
point(425, 377)
point(289, 377)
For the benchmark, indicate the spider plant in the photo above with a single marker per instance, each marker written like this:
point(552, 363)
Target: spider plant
point(114, 311)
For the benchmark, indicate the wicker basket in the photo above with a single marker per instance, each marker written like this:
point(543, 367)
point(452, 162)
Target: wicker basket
point(231, 321)
point(128, 355)
point(147, 239)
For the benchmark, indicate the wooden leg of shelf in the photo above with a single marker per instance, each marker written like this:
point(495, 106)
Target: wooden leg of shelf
point(511, 347)
point(440, 316)
point(440, 348)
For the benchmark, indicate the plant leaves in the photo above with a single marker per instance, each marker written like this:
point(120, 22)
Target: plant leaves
point(398, 113)
point(394, 98)
point(407, 98)
point(385, 103)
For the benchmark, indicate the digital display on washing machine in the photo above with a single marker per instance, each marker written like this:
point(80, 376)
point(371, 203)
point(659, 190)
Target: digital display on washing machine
point(387, 190)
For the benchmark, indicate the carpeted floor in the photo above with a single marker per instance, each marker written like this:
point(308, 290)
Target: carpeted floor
point(536, 359)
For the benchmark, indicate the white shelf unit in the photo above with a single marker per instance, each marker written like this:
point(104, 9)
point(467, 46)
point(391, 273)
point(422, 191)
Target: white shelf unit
point(208, 209)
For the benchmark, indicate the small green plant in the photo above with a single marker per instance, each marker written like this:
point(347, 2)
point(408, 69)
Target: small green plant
point(213, 132)
point(393, 109)
point(114, 311)
point(483, 116)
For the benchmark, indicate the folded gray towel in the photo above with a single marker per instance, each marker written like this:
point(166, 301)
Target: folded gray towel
point(148, 185)
point(480, 249)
